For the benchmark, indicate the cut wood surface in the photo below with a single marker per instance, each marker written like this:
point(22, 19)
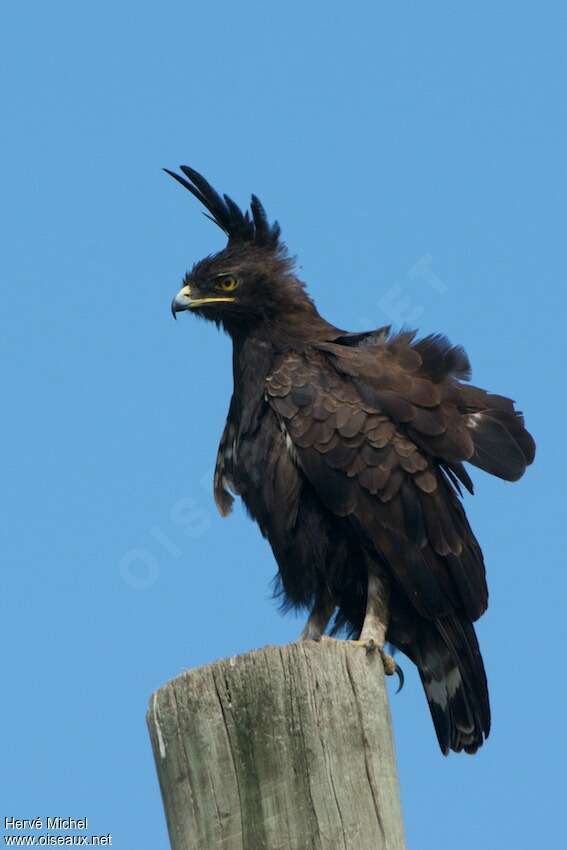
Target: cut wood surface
point(285, 748)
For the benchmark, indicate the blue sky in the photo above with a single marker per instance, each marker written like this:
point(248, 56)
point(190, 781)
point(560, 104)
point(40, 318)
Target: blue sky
point(415, 158)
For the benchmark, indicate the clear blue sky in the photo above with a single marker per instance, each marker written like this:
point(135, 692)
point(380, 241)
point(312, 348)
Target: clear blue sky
point(415, 158)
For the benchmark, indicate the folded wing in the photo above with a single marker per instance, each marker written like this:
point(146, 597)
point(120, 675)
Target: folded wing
point(381, 429)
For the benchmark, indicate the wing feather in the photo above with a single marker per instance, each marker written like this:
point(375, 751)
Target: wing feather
point(382, 426)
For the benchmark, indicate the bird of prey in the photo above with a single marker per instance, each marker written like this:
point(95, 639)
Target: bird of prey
point(348, 450)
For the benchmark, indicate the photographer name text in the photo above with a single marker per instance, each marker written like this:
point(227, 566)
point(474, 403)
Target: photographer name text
point(46, 823)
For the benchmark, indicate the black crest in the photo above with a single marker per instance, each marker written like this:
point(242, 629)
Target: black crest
point(239, 226)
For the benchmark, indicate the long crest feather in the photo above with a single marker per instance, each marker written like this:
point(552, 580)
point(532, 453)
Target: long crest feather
point(225, 213)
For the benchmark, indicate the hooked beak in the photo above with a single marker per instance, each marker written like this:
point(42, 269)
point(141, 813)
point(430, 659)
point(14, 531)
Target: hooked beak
point(184, 301)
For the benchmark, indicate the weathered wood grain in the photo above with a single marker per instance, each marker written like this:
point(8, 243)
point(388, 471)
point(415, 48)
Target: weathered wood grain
point(285, 748)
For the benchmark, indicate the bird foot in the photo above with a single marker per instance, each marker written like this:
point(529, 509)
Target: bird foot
point(390, 665)
point(314, 636)
point(370, 645)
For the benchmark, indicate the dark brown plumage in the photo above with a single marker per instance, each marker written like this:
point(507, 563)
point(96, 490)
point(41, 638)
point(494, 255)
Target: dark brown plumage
point(348, 449)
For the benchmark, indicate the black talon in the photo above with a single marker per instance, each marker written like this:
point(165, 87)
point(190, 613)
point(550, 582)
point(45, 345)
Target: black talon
point(401, 677)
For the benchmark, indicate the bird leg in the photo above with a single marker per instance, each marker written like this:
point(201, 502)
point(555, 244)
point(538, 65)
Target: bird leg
point(318, 620)
point(377, 617)
point(376, 621)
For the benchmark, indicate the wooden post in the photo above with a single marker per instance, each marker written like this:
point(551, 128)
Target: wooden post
point(286, 748)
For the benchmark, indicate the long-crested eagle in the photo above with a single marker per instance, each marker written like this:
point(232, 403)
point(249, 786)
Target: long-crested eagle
point(348, 449)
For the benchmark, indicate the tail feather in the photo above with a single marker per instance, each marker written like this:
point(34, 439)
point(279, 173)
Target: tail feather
point(452, 672)
point(502, 445)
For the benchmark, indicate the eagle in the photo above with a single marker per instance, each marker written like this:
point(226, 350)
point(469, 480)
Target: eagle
point(348, 450)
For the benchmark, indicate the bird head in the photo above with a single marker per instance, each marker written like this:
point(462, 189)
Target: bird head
point(251, 280)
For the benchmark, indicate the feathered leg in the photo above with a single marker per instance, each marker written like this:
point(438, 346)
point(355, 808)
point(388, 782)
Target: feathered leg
point(377, 616)
point(376, 621)
point(318, 621)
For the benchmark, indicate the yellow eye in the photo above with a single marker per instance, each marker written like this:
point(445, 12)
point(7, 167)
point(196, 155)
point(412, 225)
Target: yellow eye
point(227, 284)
